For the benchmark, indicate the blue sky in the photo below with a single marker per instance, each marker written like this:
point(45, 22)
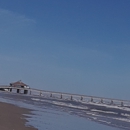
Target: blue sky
point(76, 46)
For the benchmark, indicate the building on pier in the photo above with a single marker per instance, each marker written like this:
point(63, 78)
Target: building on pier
point(19, 84)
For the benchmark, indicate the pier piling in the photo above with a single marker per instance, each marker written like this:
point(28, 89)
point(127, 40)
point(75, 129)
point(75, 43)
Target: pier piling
point(10, 89)
point(81, 98)
point(122, 104)
point(18, 90)
point(91, 99)
point(101, 100)
point(61, 96)
point(71, 98)
point(25, 91)
point(111, 102)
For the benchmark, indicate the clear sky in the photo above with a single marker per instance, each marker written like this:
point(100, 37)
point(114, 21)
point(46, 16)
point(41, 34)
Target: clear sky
point(76, 46)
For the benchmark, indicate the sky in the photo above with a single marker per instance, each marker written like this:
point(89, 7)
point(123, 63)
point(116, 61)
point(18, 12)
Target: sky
point(75, 46)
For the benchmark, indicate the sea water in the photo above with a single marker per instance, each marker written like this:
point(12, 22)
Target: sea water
point(52, 114)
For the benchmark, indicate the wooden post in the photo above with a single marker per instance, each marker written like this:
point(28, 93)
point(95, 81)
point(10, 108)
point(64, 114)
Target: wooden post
point(61, 96)
point(10, 89)
point(17, 90)
point(81, 98)
point(25, 91)
point(101, 100)
point(30, 92)
point(122, 104)
point(91, 99)
point(111, 102)
point(71, 98)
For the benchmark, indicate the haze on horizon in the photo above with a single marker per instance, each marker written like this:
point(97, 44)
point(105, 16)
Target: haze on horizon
point(70, 46)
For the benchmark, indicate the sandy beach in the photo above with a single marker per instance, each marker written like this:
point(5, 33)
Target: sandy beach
point(11, 117)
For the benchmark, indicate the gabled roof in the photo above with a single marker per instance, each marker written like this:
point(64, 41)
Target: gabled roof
point(18, 83)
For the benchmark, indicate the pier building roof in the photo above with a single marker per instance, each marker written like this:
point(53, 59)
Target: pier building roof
point(18, 84)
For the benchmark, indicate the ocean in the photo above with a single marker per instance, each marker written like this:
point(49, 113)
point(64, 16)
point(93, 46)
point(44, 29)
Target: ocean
point(55, 114)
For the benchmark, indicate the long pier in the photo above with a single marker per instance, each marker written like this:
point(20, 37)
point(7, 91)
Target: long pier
point(68, 96)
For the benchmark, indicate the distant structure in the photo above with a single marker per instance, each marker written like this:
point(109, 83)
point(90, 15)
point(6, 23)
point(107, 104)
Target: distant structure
point(102, 102)
point(19, 84)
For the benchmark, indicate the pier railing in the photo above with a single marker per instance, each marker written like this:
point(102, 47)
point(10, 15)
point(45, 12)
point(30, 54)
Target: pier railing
point(67, 96)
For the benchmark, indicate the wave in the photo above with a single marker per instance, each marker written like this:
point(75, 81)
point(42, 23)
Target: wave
point(105, 114)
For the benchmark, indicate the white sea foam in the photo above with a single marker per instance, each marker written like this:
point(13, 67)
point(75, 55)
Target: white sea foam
point(104, 121)
point(60, 103)
point(68, 105)
point(35, 99)
point(110, 112)
point(122, 119)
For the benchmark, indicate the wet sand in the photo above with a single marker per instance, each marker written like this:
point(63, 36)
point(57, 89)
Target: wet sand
point(12, 118)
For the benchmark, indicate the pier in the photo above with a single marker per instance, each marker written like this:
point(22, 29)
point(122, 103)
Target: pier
point(67, 96)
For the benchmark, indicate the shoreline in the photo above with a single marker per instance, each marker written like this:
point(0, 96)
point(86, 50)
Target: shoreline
point(12, 118)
